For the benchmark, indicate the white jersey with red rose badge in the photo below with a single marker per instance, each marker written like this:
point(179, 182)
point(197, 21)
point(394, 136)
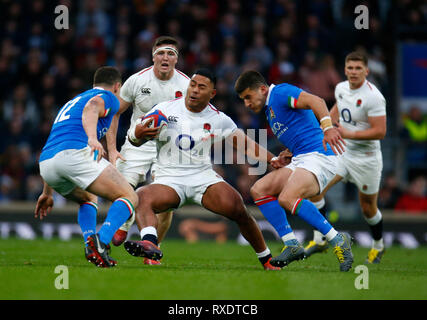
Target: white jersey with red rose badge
point(185, 148)
point(144, 90)
point(354, 107)
point(361, 163)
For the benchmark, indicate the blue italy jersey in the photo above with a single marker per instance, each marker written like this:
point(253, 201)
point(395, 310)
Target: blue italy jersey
point(297, 129)
point(67, 131)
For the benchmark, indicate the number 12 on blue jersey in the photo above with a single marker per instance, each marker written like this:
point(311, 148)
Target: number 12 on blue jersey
point(62, 115)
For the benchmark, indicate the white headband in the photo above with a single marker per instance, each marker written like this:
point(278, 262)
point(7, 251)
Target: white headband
point(165, 48)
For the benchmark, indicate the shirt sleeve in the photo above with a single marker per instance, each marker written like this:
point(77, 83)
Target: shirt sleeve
point(111, 103)
point(228, 126)
point(376, 106)
point(286, 95)
point(127, 90)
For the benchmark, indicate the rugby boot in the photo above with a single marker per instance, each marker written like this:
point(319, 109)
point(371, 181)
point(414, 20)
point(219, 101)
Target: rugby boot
point(143, 248)
point(342, 249)
point(374, 256)
point(100, 250)
point(314, 247)
point(290, 252)
point(121, 234)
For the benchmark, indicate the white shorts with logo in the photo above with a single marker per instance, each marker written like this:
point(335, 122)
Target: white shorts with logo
point(322, 166)
point(71, 168)
point(138, 161)
point(191, 188)
point(361, 168)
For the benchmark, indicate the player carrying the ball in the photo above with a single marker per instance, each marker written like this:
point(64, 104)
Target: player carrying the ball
point(184, 170)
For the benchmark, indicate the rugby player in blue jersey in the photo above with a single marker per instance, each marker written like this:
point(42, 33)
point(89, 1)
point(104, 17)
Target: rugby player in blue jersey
point(72, 164)
point(294, 117)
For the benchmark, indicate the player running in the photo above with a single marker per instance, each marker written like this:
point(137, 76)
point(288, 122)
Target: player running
point(144, 89)
point(294, 117)
point(184, 170)
point(360, 116)
point(72, 163)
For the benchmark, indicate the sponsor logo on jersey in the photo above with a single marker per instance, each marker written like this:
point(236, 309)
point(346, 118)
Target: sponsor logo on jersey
point(272, 115)
point(173, 118)
point(146, 91)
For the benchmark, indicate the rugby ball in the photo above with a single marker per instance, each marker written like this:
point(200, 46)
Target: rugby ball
point(156, 119)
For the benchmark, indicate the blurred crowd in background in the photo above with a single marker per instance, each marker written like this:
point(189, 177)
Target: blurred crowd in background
point(300, 42)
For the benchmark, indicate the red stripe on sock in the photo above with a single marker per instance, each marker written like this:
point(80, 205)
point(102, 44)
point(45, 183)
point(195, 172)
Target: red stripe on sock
point(127, 204)
point(91, 204)
point(264, 200)
point(296, 205)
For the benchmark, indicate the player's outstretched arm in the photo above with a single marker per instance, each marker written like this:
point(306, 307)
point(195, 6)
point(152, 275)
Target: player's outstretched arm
point(44, 202)
point(320, 110)
point(111, 136)
point(93, 109)
point(245, 145)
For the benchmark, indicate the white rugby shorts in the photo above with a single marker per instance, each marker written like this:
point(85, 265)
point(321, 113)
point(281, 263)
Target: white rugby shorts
point(71, 168)
point(322, 166)
point(361, 168)
point(191, 188)
point(138, 161)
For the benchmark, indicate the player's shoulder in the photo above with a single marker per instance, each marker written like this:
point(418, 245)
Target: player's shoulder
point(372, 89)
point(100, 92)
point(372, 93)
point(140, 75)
point(284, 89)
point(211, 110)
point(169, 104)
point(181, 76)
point(342, 85)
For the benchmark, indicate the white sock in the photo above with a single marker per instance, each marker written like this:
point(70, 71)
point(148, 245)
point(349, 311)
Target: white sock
point(263, 254)
point(318, 237)
point(148, 230)
point(319, 204)
point(378, 244)
point(288, 236)
point(331, 234)
point(375, 219)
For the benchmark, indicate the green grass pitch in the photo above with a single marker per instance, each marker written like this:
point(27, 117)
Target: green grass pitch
point(202, 271)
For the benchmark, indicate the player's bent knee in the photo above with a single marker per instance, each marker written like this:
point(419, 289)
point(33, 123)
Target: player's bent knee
point(133, 198)
point(258, 189)
point(286, 202)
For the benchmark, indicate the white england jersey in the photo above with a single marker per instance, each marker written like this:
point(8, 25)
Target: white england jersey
point(185, 146)
point(354, 107)
point(144, 90)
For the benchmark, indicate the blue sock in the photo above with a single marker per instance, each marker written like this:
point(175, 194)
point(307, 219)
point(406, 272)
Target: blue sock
point(118, 213)
point(307, 211)
point(86, 218)
point(274, 213)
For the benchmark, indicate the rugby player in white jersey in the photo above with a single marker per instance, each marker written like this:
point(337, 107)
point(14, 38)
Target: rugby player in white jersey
point(144, 89)
point(184, 171)
point(360, 116)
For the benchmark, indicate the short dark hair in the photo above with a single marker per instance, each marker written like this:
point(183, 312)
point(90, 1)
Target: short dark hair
point(208, 74)
point(162, 40)
point(249, 79)
point(357, 56)
point(107, 75)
